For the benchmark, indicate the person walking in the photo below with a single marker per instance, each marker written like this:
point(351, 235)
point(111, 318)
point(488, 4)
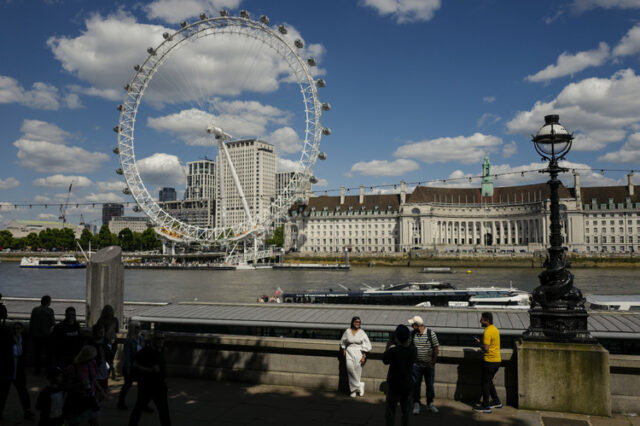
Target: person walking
point(149, 365)
point(426, 343)
point(490, 345)
point(355, 345)
point(133, 344)
point(399, 355)
point(111, 326)
point(40, 328)
point(12, 357)
point(67, 339)
point(81, 404)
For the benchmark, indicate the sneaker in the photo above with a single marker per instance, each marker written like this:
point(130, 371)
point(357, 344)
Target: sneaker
point(416, 408)
point(495, 404)
point(353, 394)
point(482, 409)
point(361, 388)
point(432, 407)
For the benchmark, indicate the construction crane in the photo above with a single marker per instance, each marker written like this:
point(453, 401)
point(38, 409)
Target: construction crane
point(63, 207)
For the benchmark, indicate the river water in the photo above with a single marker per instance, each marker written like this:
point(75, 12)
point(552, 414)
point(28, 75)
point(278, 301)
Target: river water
point(246, 286)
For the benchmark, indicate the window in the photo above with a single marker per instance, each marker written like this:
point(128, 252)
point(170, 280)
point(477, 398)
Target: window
point(587, 239)
point(587, 230)
point(613, 239)
point(604, 240)
point(595, 240)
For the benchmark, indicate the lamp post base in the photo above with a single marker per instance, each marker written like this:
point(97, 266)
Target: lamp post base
point(558, 325)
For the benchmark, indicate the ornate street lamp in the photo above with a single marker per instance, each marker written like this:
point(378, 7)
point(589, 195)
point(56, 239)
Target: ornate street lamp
point(557, 310)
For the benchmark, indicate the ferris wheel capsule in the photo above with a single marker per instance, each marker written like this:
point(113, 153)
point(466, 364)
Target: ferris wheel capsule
point(116, 150)
point(298, 43)
point(119, 171)
point(326, 106)
point(151, 51)
point(321, 83)
point(313, 179)
point(224, 13)
point(244, 14)
point(322, 156)
point(166, 36)
point(136, 209)
point(264, 19)
point(282, 29)
point(184, 24)
point(126, 191)
point(326, 131)
point(312, 62)
point(203, 16)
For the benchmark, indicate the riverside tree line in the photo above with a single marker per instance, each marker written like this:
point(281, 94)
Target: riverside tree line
point(64, 239)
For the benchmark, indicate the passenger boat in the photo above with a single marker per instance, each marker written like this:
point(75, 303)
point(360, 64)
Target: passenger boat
point(437, 270)
point(62, 262)
point(421, 294)
point(613, 302)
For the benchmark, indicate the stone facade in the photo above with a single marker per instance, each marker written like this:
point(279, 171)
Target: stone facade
point(461, 220)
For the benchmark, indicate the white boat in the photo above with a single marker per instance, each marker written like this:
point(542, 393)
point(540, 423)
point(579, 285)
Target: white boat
point(421, 294)
point(62, 262)
point(599, 302)
point(437, 270)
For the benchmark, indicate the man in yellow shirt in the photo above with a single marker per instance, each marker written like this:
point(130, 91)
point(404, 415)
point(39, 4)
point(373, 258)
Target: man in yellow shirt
point(490, 345)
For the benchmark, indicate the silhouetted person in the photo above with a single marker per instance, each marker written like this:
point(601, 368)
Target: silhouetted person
point(400, 355)
point(40, 328)
point(51, 400)
point(99, 341)
point(111, 326)
point(3, 312)
point(149, 365)
point(133, 344)
point(67, 339)
point(12, 355)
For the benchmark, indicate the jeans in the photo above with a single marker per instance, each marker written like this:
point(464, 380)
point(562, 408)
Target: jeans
point(390, 408)
point(428, 373)
point(489, 369)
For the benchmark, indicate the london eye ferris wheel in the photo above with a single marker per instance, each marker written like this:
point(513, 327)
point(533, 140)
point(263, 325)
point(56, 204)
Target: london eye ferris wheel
point(200, 97)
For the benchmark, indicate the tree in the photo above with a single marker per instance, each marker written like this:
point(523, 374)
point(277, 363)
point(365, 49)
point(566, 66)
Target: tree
point(105, 237)
point(32, 240)
point(5, 239)
point(150, 240)
point(278, 237)
point(64, 238)
point(85, 238)
point(125, 239)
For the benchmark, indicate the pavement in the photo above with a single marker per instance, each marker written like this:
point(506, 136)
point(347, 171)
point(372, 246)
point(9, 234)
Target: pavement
point(203, 402)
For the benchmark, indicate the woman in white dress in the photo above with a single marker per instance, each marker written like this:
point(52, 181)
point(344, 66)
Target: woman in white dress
point(355, 346)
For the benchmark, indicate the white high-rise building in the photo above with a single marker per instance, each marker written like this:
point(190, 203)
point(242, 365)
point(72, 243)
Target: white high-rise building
point(255, 165)
point(201, 180)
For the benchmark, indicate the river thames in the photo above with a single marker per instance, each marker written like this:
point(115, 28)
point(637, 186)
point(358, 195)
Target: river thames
point(246, 286)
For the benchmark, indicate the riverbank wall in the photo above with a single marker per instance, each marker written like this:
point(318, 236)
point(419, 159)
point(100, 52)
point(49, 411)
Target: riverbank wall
point(317, 364)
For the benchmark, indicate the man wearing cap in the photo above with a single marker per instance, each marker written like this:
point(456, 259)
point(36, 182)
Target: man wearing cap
point(426, 343)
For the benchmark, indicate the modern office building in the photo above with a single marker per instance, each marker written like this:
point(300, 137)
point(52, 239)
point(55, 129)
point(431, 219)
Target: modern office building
point(134, 223)
point(167, 194)
point(201, 180)
point(255, 165)
point(111, 210)
point(193, 212)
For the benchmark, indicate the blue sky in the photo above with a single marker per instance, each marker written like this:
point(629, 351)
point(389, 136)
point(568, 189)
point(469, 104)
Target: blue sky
point(420, 91)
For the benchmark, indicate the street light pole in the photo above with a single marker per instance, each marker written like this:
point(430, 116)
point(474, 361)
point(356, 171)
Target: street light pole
point(557, 310)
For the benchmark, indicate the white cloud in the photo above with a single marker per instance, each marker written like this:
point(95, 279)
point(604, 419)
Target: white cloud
point(509, 149)
point(41, 130)
point(42, 149)
point(161, 169)
point(405, 10)
point(580, 6)
point(489, 99)
point(241, 119)
point(44, 157)
point(628, 153)
point(41, 95)
point(322, 183)
point(286, 140)
point(465, 149)
point(47, 216)
point(568, 64)
point(384, 168)
point(488, 119)
point(104, 54)
point(107, 186)
point(179, 10)
point(62, 181)
point(104, 197)
point(41, 199)
point(630, 43)
point(285, 165)
point(598, 110)
point(9, 183)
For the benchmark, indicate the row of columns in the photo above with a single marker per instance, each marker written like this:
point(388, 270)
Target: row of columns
point(473, 232)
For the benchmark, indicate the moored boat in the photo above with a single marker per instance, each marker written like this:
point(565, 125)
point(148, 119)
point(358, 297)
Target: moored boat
point(627, 303)
point(434, 293)
point(62, 262)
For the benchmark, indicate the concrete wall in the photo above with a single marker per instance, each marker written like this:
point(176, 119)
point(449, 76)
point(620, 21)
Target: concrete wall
point(317, 364)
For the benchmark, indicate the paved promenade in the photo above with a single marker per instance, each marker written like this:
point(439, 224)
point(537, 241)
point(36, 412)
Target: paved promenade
point(201, 402)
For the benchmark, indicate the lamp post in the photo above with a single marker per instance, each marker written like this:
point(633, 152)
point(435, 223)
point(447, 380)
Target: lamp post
point(557, 310)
